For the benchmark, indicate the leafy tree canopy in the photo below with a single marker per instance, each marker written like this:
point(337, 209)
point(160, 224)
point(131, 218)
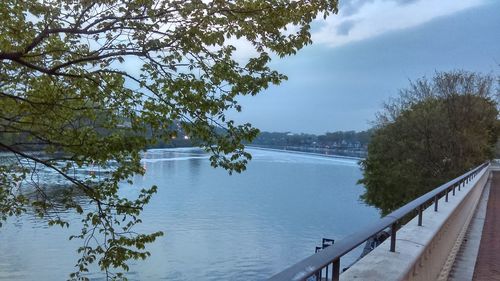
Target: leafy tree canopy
point(434, 131)
point(95, 82)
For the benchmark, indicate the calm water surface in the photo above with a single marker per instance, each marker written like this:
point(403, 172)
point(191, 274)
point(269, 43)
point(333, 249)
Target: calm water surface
point(217, 227)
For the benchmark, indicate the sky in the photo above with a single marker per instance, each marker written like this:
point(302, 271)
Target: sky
point(369, 51)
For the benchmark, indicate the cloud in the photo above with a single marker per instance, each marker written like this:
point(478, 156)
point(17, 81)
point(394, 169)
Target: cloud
point(345, 27)
point(404, 2)
point(351, 7)
point(362, 19)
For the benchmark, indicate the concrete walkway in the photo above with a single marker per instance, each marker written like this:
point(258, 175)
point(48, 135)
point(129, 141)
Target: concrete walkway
point(465, 261)
point(478, 258)
point(487, 266)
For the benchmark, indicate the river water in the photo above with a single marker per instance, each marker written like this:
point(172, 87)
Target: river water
point(217, 227)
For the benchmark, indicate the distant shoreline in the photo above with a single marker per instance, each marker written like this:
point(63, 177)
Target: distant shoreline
point(305, 152)
point(272, 149)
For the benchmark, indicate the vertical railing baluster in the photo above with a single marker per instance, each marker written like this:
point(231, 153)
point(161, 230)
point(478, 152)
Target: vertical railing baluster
point(420, 214)
point(446, 196)
point(454, 186)
point(318, 275)
point(393, 236)
point(436, 199)
point(336, 270)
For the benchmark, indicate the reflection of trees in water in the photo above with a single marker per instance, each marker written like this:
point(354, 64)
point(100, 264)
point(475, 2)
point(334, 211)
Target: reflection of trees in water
point(194, 167)
point(52, 202)
point(57, 194)
point(45, 193)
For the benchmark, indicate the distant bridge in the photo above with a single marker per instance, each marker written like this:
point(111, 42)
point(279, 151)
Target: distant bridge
point(446, 239)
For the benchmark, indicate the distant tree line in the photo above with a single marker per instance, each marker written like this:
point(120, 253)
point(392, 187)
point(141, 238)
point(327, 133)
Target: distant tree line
point(338, 139)
point(330, 140)
point(25, 142)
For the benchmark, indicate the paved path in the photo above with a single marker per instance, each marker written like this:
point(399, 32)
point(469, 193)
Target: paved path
point(465, 261)
point(488, 260)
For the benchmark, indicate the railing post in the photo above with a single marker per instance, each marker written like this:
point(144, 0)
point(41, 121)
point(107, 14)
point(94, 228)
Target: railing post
point(446, 196)
point(420, 214)
point(318, 274)
point(393, 236)
point(326, 272)
point(436, 199)
point(336, 270)
point(454, 186)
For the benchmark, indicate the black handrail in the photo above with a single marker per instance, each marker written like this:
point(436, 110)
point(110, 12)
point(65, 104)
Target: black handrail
point(331, 255)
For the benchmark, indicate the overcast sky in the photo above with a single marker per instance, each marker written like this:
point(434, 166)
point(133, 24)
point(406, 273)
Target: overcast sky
point(367, 52)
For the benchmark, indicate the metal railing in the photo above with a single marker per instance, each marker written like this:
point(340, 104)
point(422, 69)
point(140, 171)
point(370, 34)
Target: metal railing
point(314, 265)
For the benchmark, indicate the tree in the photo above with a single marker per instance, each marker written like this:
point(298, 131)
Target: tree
point(89, 82)
point(434, 131)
